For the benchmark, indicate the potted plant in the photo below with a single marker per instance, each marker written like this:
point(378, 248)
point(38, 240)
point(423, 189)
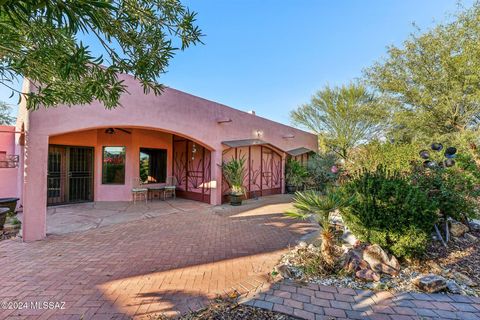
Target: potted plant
point(7, 208)
point(234, 171)
point(295, 175)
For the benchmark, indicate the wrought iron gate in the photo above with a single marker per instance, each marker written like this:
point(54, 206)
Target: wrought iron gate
point(70, 174)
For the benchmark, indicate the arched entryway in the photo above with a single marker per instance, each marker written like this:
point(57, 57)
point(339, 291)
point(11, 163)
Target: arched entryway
point(263, 171)
point(104, 164)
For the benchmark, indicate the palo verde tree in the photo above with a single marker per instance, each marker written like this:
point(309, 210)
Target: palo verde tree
point(5, 117)
point(433, 79)
point(39, 40)
point(343, 117)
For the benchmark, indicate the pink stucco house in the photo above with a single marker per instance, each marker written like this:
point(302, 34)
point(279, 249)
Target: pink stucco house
point(86, 153)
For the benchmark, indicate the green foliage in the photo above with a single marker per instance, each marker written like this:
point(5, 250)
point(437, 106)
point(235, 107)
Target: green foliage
point(310, 203)
point(391, 156)
point(452, 191)
point(343, 117)
point(433, 80)
point(5, 117)
point(39, 41)
point(388, 210)
point(234, 172)
point(295, 173)
point(319, 171)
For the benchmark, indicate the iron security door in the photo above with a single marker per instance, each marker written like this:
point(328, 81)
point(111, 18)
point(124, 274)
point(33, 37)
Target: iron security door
point(70, 174)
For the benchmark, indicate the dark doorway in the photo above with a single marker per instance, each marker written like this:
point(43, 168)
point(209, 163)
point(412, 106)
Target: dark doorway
point(70, 174)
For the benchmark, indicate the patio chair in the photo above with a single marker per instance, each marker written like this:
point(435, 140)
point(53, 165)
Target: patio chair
point(170, 187)
point(139, 192)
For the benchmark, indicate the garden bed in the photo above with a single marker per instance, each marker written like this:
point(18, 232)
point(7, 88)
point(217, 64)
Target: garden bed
point(227, 309)
point(458, 265)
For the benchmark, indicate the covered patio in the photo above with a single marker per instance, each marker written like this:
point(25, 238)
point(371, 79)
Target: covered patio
point(85, 216)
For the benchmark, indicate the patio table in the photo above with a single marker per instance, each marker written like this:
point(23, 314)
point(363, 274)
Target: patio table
point(152, 191)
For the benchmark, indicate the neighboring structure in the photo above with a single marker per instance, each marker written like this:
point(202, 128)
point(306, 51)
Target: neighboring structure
point(87, 153)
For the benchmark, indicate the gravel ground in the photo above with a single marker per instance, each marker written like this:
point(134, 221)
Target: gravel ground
point(222, 309)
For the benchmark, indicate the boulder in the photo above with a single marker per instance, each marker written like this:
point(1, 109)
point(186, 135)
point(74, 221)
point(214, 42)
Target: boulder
point(430, 283)
point(354, 262)
point(453, 287)
point(458, 229)
point(367, 275)
point(470, 237)
point(379, 260)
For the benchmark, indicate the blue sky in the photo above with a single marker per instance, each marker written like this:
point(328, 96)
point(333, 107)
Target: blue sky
point(272, 55)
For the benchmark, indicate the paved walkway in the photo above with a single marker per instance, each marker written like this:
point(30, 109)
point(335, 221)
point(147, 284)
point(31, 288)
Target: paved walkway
point(157, 265)
point(317, 302)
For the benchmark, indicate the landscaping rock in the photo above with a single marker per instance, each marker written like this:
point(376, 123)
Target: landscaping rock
point(367, 275)
point(285, 271)
point(354, 262)
point(458, 229)
point(379, 260)
point(470, 237)
point(475, 225)
point(460, 277)
point(453, 287)
point(430, 283)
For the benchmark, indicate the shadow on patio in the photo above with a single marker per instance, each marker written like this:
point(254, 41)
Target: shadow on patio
point(154, 265)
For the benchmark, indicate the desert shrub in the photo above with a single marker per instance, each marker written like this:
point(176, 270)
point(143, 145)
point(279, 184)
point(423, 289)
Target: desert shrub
point(391, 156)
point(388, 210)
point(452, 191)
point(320, 173)
point(295, 173)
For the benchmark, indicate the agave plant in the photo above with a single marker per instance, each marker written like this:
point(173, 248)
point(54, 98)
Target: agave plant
point(313, 204)
point(234, 171)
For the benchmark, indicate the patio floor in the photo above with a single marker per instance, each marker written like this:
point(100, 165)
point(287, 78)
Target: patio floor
point(163, 258)
point(85, 216)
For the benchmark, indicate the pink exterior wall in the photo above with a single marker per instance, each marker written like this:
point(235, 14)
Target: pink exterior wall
point(97, 138)
point(8, 176)
point(172, 112)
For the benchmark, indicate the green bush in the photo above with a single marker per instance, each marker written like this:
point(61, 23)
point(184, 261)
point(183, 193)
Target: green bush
point(391, 156)
point(452, 191)
point(320, 173)
point(295, 173)
point(387, 209)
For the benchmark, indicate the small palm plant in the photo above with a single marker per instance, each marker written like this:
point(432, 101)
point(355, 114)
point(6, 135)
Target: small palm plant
point(311, 203)
point(234, 172)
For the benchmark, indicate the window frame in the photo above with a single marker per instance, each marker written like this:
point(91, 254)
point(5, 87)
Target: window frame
point(124, 166)
point(166, 163)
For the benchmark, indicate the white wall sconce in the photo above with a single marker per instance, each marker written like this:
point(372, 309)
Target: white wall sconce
point(259, 133)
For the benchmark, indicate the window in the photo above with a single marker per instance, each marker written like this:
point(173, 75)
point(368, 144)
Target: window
point(113, 169)
point(153, 165)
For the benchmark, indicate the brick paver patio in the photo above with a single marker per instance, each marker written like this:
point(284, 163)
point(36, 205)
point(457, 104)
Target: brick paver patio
point(315, 302)
point(160, 264)
point(168, 262)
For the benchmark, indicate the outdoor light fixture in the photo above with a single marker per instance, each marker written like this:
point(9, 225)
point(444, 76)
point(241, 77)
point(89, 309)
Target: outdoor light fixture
point(223, 120)
point(259, 133)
